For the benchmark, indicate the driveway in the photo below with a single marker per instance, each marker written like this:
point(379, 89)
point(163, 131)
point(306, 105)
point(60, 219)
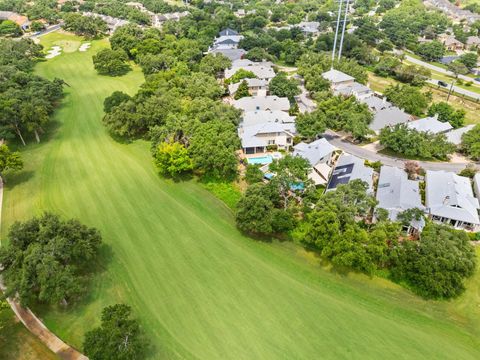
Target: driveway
point(363, 153)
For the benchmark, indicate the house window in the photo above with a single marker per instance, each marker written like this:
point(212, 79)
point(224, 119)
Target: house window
point(289, 140)
point(271, 142)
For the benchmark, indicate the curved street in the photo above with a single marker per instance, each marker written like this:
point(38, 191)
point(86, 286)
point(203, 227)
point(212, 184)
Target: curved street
point(346, 146)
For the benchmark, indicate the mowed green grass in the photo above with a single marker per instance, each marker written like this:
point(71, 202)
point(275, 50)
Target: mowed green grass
point(200, 288)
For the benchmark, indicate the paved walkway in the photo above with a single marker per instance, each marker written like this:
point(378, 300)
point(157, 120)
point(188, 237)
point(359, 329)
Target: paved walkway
point(35, 325)
point(364, 153)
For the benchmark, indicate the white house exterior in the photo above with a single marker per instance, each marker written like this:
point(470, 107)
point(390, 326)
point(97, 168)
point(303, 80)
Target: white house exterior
point(319, 154)
point(449, 200)
point(260, 129)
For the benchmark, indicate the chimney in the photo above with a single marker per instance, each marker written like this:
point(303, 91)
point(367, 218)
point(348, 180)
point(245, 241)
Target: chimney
point(384, 100)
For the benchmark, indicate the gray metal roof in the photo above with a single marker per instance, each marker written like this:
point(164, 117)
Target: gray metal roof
point(314, 151)
point(450, 196)
point(336, 76)
point(263, 117)
point(255, 103)
point(396, 193)
point(455, 136)
point(430, 124)
point(375, 103)
point(388, 117)
point(354, 89)
point(261, 70)
point(232, 54)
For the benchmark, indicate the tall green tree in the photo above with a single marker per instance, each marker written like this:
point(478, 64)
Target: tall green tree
point(437, 265)
point(119, 337)
point(242, 90)
point(282, 86)
point(48, 259)
point(111, 62)
point(171, 159)
point(9, 160)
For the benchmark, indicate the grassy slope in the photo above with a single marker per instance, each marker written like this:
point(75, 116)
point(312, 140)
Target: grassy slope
point(17, 343)
point(201, 289)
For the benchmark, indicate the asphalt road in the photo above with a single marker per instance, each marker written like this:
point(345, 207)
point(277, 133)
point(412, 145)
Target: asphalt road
point(446, 72)
point(346, 146)
point(457, 90)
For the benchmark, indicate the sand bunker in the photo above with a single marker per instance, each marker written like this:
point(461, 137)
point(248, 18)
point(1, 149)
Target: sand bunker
point(54, 51)
point(84, 47)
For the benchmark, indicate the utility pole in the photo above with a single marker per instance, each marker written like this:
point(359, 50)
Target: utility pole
point(336, 30)
point(450, 91)
point(343, 30)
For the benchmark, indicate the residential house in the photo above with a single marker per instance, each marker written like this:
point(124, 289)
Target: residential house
point(227, 39)
point(309, 28)
point(348, 168)
point(455, 136)
point(449, 200)
point(260, 129)
point(473, 42)
point(262, 103)
point(431, 125)
point(388, 117)
point(255, 86)
point(453, 11)
point(356, 89)
point(450, 43)
point(232, 54)
point(396, 193)
point(320, 154)
point(112, 23)
point(18, 19)
point(262, 70)
point(159, 19)
point(338, 78)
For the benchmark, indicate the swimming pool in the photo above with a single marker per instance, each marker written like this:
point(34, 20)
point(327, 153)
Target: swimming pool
point(261, 160)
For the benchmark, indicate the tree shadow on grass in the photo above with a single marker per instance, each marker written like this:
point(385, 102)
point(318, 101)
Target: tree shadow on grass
point(13, 179)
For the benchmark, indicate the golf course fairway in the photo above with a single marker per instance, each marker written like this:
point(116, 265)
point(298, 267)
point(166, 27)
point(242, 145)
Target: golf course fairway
point(200, 288)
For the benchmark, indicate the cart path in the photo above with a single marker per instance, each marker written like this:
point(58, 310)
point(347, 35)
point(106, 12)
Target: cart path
point(35, 325)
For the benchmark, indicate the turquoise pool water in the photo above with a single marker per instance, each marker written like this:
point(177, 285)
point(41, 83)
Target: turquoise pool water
point(261, 160)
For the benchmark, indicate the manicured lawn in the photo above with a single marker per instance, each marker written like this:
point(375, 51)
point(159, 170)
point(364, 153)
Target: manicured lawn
point(201, 289)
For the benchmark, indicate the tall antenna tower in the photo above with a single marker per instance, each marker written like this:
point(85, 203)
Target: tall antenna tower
point(343, 25)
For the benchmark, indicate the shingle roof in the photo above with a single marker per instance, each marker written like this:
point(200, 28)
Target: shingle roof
point(375, 103)
point(352, 89)
point(262, 117)
point(227, 32)
point(396, 193)
point(430, 124)
point(254, 103)
point(389, 117)
point(260, 83)
point(336, 76)
point(260, 71)
point(314, 151)
point(232, 54)
point(350, 168)
point(455, 136)
point(450, 196)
